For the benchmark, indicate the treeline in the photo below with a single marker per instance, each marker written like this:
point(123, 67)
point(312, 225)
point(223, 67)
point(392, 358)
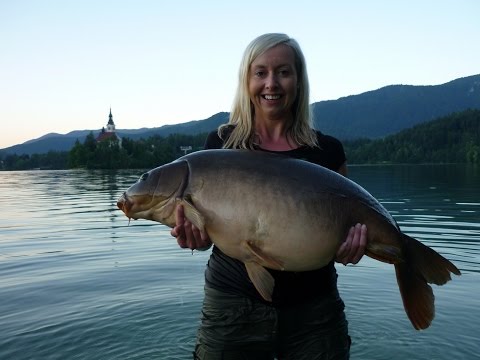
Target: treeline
point(110, 153)
point(127, 154)
point(50, 160)
point(451, 139)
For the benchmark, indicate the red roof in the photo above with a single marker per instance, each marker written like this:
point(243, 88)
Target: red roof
point(106, 135)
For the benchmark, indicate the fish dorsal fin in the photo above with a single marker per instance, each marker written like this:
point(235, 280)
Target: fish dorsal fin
point(192, 214)
point(264, 259)
point(261, 279)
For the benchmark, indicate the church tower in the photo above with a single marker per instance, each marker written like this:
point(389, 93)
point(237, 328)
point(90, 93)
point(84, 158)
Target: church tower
point(109, 132)
point(110, 124)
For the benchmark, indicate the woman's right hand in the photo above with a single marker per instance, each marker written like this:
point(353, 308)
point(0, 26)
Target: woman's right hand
point(187, 234)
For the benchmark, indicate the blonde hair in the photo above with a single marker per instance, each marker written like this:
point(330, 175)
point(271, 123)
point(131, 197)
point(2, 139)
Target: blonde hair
point(242, 113)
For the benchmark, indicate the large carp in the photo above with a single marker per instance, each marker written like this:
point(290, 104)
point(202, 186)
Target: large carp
point(272, 211)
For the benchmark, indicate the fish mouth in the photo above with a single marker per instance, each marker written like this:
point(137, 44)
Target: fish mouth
point(124, 204)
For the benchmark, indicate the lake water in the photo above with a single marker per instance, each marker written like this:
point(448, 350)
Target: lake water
point(76, 282)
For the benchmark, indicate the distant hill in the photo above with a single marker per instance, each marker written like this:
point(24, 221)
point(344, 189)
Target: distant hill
point(450, 139)
point(58, 142)
point(388, 110)
point(373, 114)
point(188, 128)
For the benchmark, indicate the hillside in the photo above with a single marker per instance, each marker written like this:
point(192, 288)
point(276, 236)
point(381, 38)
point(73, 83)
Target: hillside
point(58, 142)
point(388, 110)
point(451, 139)
point(373, 114)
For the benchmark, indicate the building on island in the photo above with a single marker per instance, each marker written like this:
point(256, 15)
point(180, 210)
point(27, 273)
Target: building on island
point(109, 132)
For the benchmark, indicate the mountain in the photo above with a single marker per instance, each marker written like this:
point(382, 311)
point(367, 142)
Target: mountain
point(58, 142)
point(451, 139)
point(373, 114)
point(388, 110)
point(188, 128)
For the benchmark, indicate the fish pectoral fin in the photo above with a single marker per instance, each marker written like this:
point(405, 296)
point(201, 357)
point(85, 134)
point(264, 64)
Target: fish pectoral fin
point(192, 214)
point(261, 279)
point(264, 259)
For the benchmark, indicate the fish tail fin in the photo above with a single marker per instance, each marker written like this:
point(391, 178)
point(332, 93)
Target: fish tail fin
point(417, 296)
point(422, 266)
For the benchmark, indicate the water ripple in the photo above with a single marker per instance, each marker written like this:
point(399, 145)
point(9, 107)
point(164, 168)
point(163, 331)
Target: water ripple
point(79, 283)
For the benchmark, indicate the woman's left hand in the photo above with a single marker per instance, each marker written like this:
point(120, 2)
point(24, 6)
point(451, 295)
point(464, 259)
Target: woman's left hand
point(353, 248)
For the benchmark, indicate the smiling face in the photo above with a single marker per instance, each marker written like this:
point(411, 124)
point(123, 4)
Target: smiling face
point(272, 84)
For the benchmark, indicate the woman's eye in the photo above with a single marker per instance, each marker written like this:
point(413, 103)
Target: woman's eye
point(259, 73)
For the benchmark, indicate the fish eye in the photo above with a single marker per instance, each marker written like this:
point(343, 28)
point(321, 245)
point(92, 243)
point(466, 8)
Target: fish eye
point(144, 177)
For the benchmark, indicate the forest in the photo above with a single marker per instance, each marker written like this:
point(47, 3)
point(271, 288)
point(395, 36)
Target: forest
point(451, 139)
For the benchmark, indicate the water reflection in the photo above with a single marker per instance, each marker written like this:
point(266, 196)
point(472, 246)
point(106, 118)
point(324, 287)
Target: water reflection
point(78, 282)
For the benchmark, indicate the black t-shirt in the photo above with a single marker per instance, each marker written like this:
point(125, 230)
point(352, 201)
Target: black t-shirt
point(230, 275)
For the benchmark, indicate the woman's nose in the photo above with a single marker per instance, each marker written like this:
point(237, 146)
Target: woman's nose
point(271, 82)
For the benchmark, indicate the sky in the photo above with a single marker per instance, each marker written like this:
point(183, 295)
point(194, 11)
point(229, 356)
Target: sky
point(64, 63)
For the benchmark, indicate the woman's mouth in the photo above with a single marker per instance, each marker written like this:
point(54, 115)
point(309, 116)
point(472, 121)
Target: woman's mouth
point(271, 97)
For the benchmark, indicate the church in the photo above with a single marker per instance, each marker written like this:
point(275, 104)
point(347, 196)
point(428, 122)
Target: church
point(109, 132)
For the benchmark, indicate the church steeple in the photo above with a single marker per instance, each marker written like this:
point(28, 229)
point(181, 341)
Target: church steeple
point(109, 132)
point(110, 124)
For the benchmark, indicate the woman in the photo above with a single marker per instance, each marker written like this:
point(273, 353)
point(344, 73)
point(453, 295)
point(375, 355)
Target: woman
point(305, 320)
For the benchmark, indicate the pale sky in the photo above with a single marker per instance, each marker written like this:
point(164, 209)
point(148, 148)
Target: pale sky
point(63, 63)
